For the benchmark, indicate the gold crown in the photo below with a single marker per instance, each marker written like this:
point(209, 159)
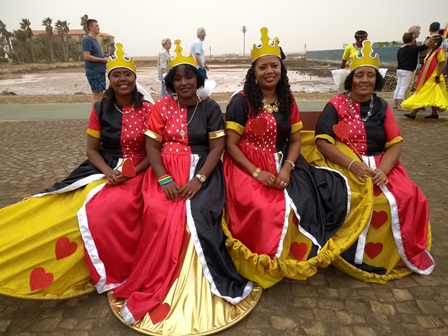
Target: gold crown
point(120, 60)
point(266, 47)
point(179, 58)
point(365, 57)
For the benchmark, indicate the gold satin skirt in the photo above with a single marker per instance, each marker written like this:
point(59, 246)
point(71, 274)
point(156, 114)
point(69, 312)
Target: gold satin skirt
point(190, 308)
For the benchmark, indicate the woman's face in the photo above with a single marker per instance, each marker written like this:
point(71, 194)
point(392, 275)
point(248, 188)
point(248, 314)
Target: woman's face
point(122, 81)
point(268, 71)
point(185, 83)
point(364, 80)
point(433, 43)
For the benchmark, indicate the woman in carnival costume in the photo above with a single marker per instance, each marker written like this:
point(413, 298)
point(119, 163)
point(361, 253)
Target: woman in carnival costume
point(182, 280)
point(358, 136)
point(282, 214)
point(41, 250)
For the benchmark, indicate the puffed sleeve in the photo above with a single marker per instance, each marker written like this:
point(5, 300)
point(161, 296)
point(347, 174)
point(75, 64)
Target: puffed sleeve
point(391, 129)
point(156, 124)
point(441, 56)
point(327, 119)
point(237, 113)
point(296, 122)
point(94, 126)
point(215, 122)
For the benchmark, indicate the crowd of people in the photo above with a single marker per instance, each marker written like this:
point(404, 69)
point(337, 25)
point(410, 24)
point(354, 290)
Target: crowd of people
point(182, 217)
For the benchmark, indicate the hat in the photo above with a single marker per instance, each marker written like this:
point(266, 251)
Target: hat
point(165, 40)
point(266, 47)
point(120, 60)
point(179, 58)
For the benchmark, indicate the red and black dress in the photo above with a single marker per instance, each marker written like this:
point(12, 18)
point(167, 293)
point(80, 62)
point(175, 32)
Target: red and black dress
point(41, 246)
point(273, 233)
point(392, 221)
point(183, 280)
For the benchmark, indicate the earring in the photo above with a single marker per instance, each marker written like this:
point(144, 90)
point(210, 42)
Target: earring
point(174, 95)
point(256, 81)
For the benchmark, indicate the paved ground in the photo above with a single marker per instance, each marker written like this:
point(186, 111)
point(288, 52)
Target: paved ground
point(34, 154)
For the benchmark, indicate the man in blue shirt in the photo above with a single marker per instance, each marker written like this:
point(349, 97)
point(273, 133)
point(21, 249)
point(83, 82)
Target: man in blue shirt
point(94, 60)
point(198, 52)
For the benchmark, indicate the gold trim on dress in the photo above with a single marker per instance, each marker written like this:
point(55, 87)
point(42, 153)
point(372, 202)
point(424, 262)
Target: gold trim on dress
point(393, 142)
point(325, 137)
point(153, 135)
point(296, 127)
point(94, 133)
point(217, 134)
point(235, 127)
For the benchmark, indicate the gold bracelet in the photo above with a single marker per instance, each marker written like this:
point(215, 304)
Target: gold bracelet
point(293, 165)
point(348, 168)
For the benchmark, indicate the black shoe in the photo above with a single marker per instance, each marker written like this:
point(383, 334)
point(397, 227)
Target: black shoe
point(410, 116)
point(432, 116)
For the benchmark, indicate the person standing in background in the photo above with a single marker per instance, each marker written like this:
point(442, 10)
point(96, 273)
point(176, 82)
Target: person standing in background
point(198, 52)
point(94, 60)
point(162, 63)
point(415, 31)
point(353, 48)
point(433, 30)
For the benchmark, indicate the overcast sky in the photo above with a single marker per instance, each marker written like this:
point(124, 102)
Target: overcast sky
point(320, 24)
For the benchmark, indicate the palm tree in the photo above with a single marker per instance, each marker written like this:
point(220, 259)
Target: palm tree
point(25, 25)
point(244, 30)
point(106, 43)
point(49, 29)
point(63, 29)
point(5, 38)
point(84, 19)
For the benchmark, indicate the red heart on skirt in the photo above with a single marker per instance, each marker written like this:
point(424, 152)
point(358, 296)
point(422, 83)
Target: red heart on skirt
point(373, 249)
point(259, 126)
point(40, 279)
point(159, 313)
point(341, 130)
point(376, 191)
point(379, 218)
point(65, 248)
point(299, 251)
point(128, 168)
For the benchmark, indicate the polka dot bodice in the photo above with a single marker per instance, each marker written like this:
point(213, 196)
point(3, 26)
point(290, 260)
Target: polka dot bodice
point(132, 134)
point(175, 134)
point(260, 133)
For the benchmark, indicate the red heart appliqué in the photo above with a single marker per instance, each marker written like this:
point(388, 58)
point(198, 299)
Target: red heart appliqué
point(379, 218)
point(341, 130)
point(299, 251)
point(259, 126)
point(65, 248)
point(128, 168)
point(373, 249)
point(40, 279)
point(159, 313)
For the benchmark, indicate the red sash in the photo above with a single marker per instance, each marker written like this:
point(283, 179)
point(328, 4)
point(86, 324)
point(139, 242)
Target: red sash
point(428, 68)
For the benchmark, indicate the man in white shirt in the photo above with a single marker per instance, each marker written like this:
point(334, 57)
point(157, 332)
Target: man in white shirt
point(198, 52)
point(163, 59)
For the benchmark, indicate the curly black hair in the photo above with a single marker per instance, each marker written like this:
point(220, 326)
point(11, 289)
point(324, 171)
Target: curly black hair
point(254, 95)
point(379, 83)
point(188, 68)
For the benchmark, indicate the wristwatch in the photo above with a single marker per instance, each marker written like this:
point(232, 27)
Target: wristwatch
point(256, 172)
point(201, 178)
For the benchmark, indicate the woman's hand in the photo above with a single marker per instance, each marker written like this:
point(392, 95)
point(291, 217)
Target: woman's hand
point(115, 177)
point(361, 171)
point(266, 178)
point(283, 178)
point(380, 178)
point(171, 190)
point(190, 189)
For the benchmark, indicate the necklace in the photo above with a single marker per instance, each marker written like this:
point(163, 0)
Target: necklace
point(182, 132)
point(132, 109)
point(353, 111)
point(270, 108)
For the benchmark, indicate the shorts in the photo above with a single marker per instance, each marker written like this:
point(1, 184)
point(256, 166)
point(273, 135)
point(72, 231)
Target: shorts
point(97, 81)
